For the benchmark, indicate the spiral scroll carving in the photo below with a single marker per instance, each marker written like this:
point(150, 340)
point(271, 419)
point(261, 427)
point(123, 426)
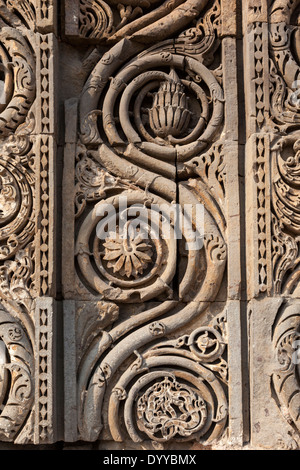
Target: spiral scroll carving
point(285, 62)
point(147, 115)
point(177, 135)
point(18, 94)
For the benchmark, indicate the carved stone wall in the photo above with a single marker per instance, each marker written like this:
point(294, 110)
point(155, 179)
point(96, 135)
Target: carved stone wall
point(140, 337)
point(272, 156)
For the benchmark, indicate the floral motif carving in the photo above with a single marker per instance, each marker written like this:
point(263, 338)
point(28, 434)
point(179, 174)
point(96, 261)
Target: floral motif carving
point(156, 123)
point(128, 255)
point(18, 82)
point(284, 64)
point(144, 146)
point(128, 277)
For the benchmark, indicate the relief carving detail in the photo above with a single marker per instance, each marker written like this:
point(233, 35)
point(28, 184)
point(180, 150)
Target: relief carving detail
point(150, 223)
point(147, 115)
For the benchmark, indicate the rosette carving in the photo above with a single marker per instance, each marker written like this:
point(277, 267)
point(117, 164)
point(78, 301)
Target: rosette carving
point(128, 255)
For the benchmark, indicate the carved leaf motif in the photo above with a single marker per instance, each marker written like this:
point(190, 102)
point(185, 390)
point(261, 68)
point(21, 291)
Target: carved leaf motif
point(93, 181)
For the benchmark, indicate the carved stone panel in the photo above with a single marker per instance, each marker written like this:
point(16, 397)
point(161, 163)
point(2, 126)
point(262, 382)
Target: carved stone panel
point(272, 155)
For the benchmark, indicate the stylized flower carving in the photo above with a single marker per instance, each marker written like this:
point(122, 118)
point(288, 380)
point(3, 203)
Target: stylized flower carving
point(169, 115)
point(127, 254)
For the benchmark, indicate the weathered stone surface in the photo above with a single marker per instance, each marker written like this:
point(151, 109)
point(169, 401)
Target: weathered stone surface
point(149, 224)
